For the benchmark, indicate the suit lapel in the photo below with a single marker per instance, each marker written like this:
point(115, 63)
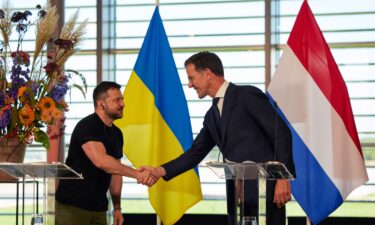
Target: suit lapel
point(230, 100)
point(213, 127)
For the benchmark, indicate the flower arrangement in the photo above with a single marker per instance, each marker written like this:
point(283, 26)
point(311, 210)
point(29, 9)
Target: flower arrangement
point(33, 84)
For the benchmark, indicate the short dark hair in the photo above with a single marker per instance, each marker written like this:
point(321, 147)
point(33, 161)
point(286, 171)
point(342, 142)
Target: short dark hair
point(206, 60)
point(100, 91)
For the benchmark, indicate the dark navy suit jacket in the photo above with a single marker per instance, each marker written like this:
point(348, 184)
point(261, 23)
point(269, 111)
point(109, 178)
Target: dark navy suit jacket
point(248, 132)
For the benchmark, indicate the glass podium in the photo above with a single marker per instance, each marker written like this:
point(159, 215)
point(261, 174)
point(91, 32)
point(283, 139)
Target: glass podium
point(43, 171)
point(250, 171)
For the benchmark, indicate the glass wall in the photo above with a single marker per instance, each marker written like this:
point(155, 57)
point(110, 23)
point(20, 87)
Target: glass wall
point(235, 30)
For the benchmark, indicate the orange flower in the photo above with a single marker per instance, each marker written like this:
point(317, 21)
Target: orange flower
point(22, 94)
point(57, 114)
point(46, 104)
point(46, 116)
point(26, 115)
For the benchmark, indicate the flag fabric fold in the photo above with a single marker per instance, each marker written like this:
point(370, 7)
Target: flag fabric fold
point(314, 101)
point(156, 123)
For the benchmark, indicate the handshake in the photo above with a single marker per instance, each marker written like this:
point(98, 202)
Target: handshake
point(148, 175)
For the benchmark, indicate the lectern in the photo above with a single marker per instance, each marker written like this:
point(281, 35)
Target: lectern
point(250, 171)
point(40, 170)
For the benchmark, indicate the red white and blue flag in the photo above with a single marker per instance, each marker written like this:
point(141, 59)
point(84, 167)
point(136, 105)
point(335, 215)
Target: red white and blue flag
point(314, 101)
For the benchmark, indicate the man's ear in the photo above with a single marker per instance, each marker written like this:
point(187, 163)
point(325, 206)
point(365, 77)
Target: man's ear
point(101, 104)
point(208, 74)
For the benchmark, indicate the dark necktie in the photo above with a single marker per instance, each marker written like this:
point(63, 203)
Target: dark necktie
point(217, 114)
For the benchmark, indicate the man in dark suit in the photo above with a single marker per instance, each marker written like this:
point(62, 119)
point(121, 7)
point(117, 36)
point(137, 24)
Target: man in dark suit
point(241, 123)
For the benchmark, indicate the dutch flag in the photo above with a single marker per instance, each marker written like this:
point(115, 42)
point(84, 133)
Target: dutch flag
point(314, 101)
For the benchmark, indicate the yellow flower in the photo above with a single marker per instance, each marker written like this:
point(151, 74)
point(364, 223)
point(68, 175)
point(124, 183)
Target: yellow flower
point(46, 116)
point(57, 114)
point(46, 104)
point(26, 115)
point(35, 104)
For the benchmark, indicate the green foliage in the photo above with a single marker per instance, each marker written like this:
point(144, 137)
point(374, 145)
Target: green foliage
point(42, 137)
point(83, 87)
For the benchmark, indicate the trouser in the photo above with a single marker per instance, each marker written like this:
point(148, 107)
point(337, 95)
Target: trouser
point(274, 215)
point(71, 215)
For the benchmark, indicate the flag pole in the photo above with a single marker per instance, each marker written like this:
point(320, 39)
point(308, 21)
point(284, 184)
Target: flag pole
point(308, 221)
point(158, 220)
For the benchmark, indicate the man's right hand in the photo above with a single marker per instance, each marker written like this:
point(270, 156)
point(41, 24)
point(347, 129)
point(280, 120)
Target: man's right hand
point(155, 172)
point(145, 176)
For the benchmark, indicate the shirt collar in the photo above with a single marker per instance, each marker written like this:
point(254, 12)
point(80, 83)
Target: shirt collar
point(223, 88)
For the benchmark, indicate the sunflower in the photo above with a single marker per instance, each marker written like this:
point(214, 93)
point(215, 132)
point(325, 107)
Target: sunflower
point(57, 114)
point(26, 115)
point(46, 104)
point(46, 116)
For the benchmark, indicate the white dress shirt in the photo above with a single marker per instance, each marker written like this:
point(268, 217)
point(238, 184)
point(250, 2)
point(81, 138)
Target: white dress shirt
point(220, 94)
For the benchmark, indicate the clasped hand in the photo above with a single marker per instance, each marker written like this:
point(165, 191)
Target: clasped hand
point(148, 175)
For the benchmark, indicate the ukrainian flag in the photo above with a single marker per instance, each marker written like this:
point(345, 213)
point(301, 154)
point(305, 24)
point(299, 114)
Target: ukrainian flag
point(156, 123)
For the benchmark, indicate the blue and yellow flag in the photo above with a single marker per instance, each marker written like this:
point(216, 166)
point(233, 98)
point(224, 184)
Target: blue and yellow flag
point(156, 123)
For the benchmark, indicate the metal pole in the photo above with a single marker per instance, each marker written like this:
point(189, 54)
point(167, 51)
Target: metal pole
point(23, 198)
point(267, 47)
point(308, 221)
point(158, 220)
point(99, 41)
point(18, 196)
